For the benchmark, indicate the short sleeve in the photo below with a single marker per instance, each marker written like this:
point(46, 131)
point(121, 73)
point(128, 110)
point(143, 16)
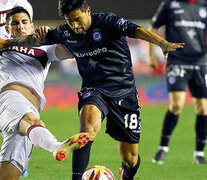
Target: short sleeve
point(51, 53)
point(160, 18)
point(120, 26)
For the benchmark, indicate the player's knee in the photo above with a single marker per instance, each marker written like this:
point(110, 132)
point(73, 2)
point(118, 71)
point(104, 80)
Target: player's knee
point(176, 108)
point(200, 110)
point(90, 117)
point(93, 131)
point(32, 119)
point(130, 159)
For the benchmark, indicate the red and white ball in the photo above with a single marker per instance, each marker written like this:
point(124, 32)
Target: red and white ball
point(98, 172)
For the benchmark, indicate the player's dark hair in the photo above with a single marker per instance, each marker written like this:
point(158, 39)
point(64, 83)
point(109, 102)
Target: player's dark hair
point(16, 10)
point(66, 6)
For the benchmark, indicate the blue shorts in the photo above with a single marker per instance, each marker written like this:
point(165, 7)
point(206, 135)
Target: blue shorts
point(123, 116)
point(193, 76)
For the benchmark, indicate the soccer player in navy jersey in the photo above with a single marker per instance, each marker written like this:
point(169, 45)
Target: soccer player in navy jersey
point(185, 21)
point(98, 42)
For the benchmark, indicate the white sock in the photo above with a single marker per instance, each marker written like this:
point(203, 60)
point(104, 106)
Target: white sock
point(42, 138)
point(164, 148)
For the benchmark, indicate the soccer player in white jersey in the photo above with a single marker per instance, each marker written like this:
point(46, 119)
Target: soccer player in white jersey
point(7, 5)
point(22, 74)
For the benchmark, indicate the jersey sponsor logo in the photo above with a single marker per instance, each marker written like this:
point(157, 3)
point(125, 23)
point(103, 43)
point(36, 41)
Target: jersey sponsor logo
point(97, 36)
point(193, 24)
point(72, 41)
point(38, 54)
point(202, 13)
point(179, 11)
point(90, 53)
point(174, 5)
point(3, 17)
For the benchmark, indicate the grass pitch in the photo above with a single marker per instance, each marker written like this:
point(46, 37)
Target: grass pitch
point(178, 164)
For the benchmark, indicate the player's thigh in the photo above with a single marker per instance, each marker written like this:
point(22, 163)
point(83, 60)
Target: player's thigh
point(13, 106)
point(8, 171)
point(200, 106)
point(128, 152)
point(123, 119)
point(198, 82)
point(28, 120)
point(92, 110)
point(177, 97)
point(90, 118)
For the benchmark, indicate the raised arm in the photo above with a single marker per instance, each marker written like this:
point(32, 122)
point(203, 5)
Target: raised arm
point(151, 37)
point(29, 40)
point(153, 62)
point(62, 53)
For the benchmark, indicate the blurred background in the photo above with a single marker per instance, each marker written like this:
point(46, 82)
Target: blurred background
point(63, 81)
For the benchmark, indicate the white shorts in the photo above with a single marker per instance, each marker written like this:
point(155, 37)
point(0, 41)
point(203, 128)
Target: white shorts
point(15, 148)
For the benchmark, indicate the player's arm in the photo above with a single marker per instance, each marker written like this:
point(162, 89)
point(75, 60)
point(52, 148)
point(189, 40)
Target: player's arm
point(153, 62)
point(151, 37)
point(62, 52)
point(33, 40)
point(29, 40)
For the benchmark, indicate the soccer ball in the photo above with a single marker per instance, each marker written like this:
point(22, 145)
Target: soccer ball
point(98, 172)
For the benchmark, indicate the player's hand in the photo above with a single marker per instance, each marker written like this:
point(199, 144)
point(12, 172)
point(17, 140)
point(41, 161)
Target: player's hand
point(41, 32)
point(2, 42)
point(168, 47)
point(153, 63)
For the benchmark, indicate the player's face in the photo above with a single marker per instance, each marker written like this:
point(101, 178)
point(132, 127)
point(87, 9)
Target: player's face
point(19, 25)
point(78, 20)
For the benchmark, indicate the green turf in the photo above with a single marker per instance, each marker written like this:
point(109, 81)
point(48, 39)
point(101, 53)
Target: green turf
point(178, 165)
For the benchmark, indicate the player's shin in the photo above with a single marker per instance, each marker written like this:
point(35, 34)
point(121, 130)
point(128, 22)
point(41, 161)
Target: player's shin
point(80, 160)
point(42, 137)
point(127, 173)
point(201, 132)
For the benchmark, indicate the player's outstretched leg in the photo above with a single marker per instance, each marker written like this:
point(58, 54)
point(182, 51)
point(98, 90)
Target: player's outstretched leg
point(75, 142)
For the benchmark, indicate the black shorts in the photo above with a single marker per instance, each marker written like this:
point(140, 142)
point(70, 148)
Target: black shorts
point(193, 76)
point(123, 116)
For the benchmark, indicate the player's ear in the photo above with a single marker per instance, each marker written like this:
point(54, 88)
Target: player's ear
point(32, 26)
point(7, 29)
point(88, 10)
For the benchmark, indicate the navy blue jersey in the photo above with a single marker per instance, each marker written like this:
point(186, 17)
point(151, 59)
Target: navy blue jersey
point(186, 23)
point(102, 53)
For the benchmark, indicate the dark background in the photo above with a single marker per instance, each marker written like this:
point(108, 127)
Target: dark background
point(131, 9)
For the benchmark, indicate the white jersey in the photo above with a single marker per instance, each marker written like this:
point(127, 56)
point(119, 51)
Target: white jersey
point(7, 5)
point(27, 65)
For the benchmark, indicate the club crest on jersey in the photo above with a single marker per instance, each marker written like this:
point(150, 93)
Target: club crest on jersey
point(86, 95)
point(202, 13)
point(121, 21)
point(172, 80)
point(97, 36)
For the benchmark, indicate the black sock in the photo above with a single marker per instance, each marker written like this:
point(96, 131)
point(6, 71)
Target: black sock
point(169, 124)
point(129, 173)
point(201, 132)
point(80, 160)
